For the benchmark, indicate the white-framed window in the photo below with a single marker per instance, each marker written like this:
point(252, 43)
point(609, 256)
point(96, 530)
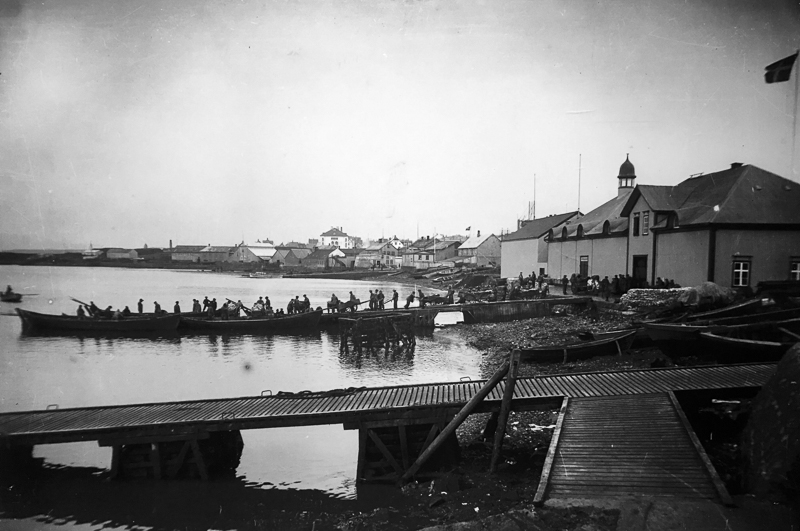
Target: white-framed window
point(645, 223)
point(794, 268)
point(741, 272)
point(636, 224)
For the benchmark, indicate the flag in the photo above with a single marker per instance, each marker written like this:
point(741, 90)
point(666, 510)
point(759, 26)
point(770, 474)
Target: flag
point(469, 228)
point(780, 70)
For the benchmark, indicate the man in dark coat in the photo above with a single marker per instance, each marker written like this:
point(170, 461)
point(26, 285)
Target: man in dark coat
point(177, 308)
point(564, 282)
point(140, 306)
point(395, 296)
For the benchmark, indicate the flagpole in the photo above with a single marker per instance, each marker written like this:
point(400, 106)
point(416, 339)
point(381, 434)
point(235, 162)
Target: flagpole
point(794, 123)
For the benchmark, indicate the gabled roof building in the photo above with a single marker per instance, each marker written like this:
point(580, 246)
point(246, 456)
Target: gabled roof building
point(734, 227)
point(525, 251)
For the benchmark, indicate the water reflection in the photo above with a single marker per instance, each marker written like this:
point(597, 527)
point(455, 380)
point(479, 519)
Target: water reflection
point(133, 336)
point(59, 495)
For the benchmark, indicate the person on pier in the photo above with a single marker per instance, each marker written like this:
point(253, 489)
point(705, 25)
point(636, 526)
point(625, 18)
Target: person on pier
point(373, 300)
point(409, 300)
point(140, 305)
point(395, 296)
point(156, 308)
point(421, 299)
point(176, 308)
point(126, 312)
point(380, 299)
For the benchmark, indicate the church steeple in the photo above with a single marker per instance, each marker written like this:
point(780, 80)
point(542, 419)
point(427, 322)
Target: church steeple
point(627, 177)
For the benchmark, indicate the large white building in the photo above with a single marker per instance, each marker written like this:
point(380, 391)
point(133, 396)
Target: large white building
point(336, 238)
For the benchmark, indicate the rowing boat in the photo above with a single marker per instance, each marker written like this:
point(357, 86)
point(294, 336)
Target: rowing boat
point(72, 323)
point(294, 322)
point(613, 343)
point(10, 297)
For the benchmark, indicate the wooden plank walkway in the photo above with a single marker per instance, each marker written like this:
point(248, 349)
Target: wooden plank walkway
point(629, 446)
point(356, 405)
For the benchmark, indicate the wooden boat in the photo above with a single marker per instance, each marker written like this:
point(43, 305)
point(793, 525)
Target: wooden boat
point(613, 343)
point(502, 311)
point(727, 349)
point(640, 339)
point(10, 296)
point(255, 325)
point(740, 308)
point(72, 323)
point(680, 340)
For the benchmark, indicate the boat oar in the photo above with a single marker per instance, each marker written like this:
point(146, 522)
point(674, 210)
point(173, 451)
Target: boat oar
point(79, 302)
point(245, 308)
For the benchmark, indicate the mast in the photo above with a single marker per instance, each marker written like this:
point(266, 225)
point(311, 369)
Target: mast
point(794, 123)
point(579, 181)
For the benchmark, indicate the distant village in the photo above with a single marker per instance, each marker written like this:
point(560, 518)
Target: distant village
point(735, 227)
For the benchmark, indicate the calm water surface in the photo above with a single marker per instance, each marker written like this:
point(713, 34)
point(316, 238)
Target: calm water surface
point(70, 371)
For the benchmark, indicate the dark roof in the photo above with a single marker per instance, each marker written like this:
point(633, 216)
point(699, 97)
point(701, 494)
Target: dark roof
point(188, 248)
point(537, 227)
point(333, 232)
point(739, 195)
point(627, 169)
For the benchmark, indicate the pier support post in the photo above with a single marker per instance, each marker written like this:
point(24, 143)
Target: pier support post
point(505, 408)
point(199, 454)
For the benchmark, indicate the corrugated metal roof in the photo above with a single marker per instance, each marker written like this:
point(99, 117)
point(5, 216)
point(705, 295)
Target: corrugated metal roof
point(475, 241)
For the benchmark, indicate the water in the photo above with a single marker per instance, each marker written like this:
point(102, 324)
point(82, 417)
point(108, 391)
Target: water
point(71, 372)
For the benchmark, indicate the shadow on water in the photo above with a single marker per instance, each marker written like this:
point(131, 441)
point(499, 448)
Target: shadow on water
point(84, 495)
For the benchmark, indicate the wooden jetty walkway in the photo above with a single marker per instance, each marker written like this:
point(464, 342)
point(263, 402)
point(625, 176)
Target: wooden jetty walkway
point(627, 446)
point(395, 423)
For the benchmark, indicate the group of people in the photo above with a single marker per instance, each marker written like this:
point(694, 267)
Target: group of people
point(611, 288)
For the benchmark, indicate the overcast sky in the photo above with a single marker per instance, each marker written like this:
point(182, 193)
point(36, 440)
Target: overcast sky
point(132, 122)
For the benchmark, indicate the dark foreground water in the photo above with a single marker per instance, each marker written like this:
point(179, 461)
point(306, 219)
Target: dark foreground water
point(36, 372)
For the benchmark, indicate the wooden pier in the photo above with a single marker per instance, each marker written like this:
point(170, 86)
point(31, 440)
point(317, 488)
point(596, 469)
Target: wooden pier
point(477, 312)
point(399, 421)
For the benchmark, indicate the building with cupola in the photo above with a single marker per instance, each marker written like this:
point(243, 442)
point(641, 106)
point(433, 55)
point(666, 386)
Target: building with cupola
point(596, 243)
point(734, 227)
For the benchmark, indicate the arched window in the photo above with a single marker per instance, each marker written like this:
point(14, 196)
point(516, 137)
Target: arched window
point(606, 227)
point(580, 231)
point(564, 233)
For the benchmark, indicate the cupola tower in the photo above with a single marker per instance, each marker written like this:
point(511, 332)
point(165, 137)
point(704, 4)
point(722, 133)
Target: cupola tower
point(627, 177)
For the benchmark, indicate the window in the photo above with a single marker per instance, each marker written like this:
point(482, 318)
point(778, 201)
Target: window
point(584, 266)
point(636, 224)
point(794, 268)
point(645, 223)
point(741, 272)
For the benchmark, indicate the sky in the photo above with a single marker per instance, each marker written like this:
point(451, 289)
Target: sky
point(212, 122)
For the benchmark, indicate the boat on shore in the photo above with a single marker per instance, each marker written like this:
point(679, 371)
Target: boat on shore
point(294, 322)
point(611, 343)
point(72, 323)
point(681, 340)
point(732, 310)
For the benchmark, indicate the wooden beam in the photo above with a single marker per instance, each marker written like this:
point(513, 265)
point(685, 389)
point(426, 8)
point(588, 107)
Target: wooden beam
point(385, 451)
point(175, 466)
point(362, 453)
point(505, 408)
point(198, 460)
point(115, 458)
point(538, 499)
point(712, 472)
point(456, 422)
point(401, 429)
point(155, 460)
point(148, 439)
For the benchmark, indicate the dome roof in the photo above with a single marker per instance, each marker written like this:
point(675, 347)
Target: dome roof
point(627, 169)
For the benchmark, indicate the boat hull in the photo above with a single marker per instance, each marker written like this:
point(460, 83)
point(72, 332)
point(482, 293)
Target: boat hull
point(11, 297)
point(295, 322)
point(71, 323)
point(737, 350)
point(612, 344)
point(503, 311)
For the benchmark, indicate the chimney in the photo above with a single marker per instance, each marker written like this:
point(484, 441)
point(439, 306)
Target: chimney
point(735, 165)
point(479, 234)
point(170, 244)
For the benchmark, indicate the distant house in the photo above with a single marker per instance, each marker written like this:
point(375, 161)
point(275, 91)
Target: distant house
point(122, 254)
point(525, 250)
point(244, 253)
point(430, 252)
point(92, 254)
point(187, 253)
point(212, 254)
point(326, 258)
point(152, 254)
point(383, 253)
point(336, 238)
point(480, 250)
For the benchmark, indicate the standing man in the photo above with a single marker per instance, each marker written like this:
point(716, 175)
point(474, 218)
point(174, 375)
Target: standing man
point(380, 299)
point(177, 308)
point(409, 300)
point(564, 282)
point(206, 304)
point(141, 305)
point(157, 307)
point(421, 299)
point(395, 296)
